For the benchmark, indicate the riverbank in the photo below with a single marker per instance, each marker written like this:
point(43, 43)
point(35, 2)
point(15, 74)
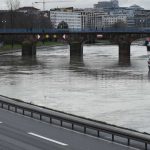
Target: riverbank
point(16, 47)
point(103, 42)
point(9, 48)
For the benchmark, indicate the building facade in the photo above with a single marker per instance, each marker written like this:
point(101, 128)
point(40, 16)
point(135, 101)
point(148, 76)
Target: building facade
point(73, 19)
point(142, 18)
point(77, 18)
point(104, 14)
point(110, 20)
point(107, 4)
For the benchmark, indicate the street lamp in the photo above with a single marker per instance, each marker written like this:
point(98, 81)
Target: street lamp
point(4, 22)
point(142, 22)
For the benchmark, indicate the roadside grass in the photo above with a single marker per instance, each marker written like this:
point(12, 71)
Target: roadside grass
point(9, 47)
point(47, 43)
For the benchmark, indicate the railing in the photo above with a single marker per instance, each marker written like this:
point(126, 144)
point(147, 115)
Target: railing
point(71, 121)
point(70, 31)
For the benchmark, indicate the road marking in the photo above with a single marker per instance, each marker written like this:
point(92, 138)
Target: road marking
point(48, 139)
point(56, 126)
point(99, 138)
point(0, 122)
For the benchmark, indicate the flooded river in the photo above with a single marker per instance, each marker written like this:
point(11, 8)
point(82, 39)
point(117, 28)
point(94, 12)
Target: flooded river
point(95, 87)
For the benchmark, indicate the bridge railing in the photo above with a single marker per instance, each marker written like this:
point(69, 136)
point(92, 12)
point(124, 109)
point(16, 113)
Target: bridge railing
point(65, 31)
point(72, 122)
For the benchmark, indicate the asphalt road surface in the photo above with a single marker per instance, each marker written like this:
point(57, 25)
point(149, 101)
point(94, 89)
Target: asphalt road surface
point(19, 132)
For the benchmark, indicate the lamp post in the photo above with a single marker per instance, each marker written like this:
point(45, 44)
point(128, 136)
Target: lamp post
point(3, 27)
point(3, 23)
point(142, 22)
point(11, 25)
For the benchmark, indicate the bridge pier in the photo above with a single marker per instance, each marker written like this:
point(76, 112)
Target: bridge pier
point(76, 49)
point(28, 48)
point(76, 46)
point(124, 53)
point(124, 42)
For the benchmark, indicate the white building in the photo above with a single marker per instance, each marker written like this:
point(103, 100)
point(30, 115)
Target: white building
point(78, 18)
point(73, 19)
point(125, 11)
point(109, 20)
point(92, 18)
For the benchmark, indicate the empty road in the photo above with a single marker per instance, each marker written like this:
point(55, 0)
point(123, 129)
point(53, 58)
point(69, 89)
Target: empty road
point(19, 132)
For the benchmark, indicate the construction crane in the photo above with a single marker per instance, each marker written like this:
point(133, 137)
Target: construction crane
point(44, 2)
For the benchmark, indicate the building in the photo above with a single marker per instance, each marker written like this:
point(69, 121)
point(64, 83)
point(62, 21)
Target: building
point(136, 7)
point(142, 18)
point(95, 19)
point(133, 16)
point(92, 18)
point(110, 20)
point(29, 10)
point(73, 19)
point(77, 18)
point(107, 4)
point(126, 11)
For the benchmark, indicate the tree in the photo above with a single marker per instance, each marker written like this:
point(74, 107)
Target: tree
point(119, 24)
point(13, 4)
point(62, 25)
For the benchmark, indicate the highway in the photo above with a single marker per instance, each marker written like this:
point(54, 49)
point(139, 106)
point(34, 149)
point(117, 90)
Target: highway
point(19, 132)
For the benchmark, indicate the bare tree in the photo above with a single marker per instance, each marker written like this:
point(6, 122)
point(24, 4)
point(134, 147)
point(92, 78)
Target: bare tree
point(13, 4)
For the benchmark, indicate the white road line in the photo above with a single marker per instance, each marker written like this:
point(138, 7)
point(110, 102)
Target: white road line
point(0, 122)
point(98, 138)
point(48, 139)
point(56, 126)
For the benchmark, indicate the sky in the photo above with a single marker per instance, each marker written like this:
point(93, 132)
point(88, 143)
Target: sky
point(75, 3)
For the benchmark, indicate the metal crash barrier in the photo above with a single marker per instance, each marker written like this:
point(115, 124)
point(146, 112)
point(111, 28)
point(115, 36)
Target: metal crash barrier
point(80, 124)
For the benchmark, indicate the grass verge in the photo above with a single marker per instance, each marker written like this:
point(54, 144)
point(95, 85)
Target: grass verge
point(8, 47)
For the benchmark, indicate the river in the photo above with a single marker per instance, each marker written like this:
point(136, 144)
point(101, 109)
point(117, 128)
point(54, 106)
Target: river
point(97, 87)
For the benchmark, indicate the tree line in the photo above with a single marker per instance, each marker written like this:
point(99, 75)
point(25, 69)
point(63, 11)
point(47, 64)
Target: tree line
point(13, 18)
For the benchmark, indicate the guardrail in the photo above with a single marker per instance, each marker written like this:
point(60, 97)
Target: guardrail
point(72, 121)
point(76, 31)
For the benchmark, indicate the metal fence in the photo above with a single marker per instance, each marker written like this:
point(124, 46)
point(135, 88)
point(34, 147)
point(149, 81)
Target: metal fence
point(72, 122)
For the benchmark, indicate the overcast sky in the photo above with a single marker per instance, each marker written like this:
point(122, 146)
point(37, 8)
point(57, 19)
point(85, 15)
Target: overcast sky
point(75, 3)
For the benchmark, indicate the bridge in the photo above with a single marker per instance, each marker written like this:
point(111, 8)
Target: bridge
point(78, 31)
point(123, 37)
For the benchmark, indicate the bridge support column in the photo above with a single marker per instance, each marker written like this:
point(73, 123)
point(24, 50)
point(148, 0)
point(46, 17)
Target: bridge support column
point(76, 46)
point(124, 41)
point(76, 49)
point(28, 48)
point(124, 53)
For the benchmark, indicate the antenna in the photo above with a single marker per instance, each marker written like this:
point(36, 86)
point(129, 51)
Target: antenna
point(43, 5)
